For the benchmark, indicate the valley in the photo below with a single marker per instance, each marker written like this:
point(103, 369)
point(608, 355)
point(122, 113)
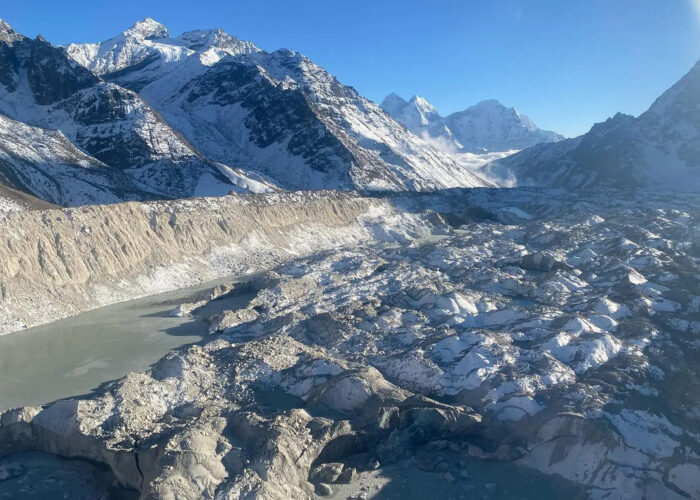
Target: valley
point(226, 274)
point(460, 344)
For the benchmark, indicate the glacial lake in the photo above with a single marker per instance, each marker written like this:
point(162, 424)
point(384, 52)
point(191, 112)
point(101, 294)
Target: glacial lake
point(74, 356)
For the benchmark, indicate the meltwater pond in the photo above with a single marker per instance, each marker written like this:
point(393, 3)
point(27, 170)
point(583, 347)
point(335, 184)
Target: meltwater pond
point(73, 356)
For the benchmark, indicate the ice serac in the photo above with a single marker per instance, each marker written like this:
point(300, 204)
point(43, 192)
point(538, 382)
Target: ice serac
point(275, 114)
point(485, 127)
point(658, 149)
point(139, 155)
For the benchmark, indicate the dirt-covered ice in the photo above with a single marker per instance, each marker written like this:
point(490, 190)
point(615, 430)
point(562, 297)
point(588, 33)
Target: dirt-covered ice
point(551, 335)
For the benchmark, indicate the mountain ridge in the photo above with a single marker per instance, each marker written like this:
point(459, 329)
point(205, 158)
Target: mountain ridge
point(277, 114)
point(202, 113)
point(658, 149)
point(487, 126)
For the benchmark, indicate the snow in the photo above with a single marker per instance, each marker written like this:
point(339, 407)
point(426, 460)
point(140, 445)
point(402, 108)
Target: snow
point(8, 205)
point(487, 127)
point(647, 432)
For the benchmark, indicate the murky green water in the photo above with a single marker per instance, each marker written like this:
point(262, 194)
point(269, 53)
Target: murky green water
point(73, 356)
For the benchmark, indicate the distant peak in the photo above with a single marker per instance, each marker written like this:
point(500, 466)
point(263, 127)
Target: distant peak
point(423, 104)
point(148, 29)
point(489, 103)
point(393, 103)
point(394, 97)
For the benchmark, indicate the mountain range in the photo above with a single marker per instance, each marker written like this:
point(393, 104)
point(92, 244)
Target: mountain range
point(145, 116)
point(488, 126)
point(659, 149)
point(148, 116)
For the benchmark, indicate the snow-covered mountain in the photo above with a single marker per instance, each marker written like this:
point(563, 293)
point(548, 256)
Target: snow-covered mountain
point(147, 39)
point(83, 140)
point(149, 116)
point(275, 114)
point(659, 149)
point(46, 164)
point(487, 126)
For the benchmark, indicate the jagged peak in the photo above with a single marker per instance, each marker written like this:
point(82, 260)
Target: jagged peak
point(217, 37)
point(7, 34)
point(420, 100)
point(148, 29)
point(423, 105)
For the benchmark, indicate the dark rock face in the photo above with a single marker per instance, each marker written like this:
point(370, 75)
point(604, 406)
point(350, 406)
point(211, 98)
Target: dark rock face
point(275, 114)
point(109, 106)
point(52, 76)
point(8, 67)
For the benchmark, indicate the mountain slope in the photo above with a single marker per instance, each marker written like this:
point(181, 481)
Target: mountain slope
point(485, 127)
point(47, 165)
point(42, 87)
point(660, 149)
point(277, 114)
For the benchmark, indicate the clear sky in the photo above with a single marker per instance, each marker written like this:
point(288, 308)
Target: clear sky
point(565, 63)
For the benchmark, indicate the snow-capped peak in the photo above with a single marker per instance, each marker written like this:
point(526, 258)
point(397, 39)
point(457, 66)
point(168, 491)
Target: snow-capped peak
point(148, 29)
point(7, 34)
point(495, 107)
point(488, 104)
point(485, 126)
point(150, 39)
point(393, 104)
point(393, 100)
point(424, 106)
point(414, 114)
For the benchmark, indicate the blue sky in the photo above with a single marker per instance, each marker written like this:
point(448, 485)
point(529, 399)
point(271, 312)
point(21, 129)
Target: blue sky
point(565, 63)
